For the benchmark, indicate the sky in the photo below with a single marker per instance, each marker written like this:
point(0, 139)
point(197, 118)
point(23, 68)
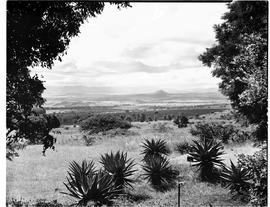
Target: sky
point(148, 47)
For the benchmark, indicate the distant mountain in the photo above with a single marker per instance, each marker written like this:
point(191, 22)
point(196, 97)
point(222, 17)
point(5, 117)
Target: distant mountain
point(83, 96)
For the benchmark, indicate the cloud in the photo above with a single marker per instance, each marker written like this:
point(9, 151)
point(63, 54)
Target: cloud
point(139, 52)
point(197, 41)
point(144, 47)
point(110, 67)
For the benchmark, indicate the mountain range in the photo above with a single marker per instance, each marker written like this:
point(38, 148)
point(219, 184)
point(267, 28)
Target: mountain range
point(73, 96)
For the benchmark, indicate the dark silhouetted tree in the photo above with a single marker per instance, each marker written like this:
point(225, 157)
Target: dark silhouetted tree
point(38, 32)
point(239, 58)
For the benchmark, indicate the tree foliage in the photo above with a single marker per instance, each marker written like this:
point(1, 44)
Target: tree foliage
point(256, 165)
point(37, 34)
point(240, 59)
point(103, 122)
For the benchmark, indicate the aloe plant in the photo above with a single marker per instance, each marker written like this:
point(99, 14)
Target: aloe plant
point(155, 148)
point(158, 171)
point(237, 179)
point(206, 155)
point(119, 167)
point(85, 184)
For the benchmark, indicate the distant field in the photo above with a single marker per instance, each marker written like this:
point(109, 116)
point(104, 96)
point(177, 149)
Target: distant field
point(32, 176)
point(72, 115)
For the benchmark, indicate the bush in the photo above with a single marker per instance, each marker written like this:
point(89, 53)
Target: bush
point(159, 172)
point(103, 123)
point(156, 148)
point(206, 155)
point(183, 122)
point(177, 120)
point(88, 140)
point(85, 184)
point(44, 203)
point(183, 147)
point(241, 136)
point(257, 166)
point(211, 131)
point(39, 203)
point(119, 167)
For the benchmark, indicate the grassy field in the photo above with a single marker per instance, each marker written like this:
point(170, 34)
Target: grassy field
point(32, 176)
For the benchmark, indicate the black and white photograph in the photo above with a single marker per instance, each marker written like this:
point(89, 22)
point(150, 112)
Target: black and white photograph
point(135, 104)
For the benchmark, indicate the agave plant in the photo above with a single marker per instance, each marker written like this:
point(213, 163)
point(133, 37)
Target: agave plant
point(237, 179)
point(156, 148)
point(183, 147)
point(119, 167)
point(85, 184)
point(206, 155)
point(158, 171)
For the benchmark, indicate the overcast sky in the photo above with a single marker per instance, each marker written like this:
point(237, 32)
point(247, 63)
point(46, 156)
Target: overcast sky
point(148, 47)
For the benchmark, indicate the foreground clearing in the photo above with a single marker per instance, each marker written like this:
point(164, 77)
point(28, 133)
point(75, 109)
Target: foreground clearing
point(33, 176)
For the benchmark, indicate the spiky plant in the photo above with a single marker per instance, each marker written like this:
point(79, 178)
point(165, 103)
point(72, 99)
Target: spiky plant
point(85, 184)
point(183, 147)
point(158, 171)
point(237, 179)
point(206, 155)
point(119, 167)
point(156, 148)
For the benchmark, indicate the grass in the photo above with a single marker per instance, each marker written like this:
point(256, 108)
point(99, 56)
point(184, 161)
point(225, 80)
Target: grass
point(32, 176)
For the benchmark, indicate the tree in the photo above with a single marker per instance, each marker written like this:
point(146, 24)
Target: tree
point(183, 121)
point(38, 33)
point(240, 59)
point(142, 118)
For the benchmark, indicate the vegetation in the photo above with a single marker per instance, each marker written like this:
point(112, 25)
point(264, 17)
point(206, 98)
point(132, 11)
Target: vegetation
point(212, 131)
point(158, 171)
point(31, 45)
point(85, 184)
point(161, 127)
point(102, 123)
point(119, 167)
point(237, 179)
point(88, 140)
point(77, 114)
point(39, 203)
point(154, 148)
point(183, 147)
point(256, 165)
point(240, 59)
point(181, 121)
point(206, 155)
point(34, 130)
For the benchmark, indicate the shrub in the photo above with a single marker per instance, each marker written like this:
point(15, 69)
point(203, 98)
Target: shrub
point(154, 148)
point(159, 172)
point(44, 203)
point(119, 167)
point(85, 184)
point(206, 155)
point(88, 140)
point(128, 118)
point(183, 147)
point(177, 120)
point(241, 136)
point(103, 122)
point(237, 180)
point(211, 131)
point(39, 203)
point(142, 118)
point(257, 166)
point(183, 122)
